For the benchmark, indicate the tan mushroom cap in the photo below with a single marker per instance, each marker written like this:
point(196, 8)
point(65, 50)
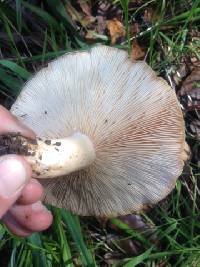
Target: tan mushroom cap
point(131, 116)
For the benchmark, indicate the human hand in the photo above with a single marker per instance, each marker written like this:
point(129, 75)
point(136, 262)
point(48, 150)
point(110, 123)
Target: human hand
point(20, 208)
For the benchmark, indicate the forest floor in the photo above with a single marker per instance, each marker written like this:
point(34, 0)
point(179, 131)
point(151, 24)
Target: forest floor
point(164, 33)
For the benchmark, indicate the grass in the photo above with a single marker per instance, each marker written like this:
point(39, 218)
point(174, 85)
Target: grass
point(31, 35)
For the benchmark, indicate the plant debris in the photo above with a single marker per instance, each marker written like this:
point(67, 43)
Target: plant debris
point(116, 30)
point(190, 90)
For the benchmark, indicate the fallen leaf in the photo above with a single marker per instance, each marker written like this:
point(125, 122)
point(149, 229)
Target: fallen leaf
point(180, 74)
point(87, 21)
point(137, 52)
point(149, 13)
point(102, 11)
point(116, 30)
point(101, 24)
point(128, 246)
point(134, 4)
point(86, 7)
point(113, 258)
point(190, 91)
point(192, 82)
point(162, 263)
point(93, 36)
point(76, 16)
point(195, 128)
point(134, 29)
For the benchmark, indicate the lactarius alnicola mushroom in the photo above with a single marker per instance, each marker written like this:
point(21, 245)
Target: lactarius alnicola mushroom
point(110, 132)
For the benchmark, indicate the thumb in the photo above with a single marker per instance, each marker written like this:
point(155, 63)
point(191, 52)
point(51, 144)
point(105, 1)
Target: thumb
point(14, 175)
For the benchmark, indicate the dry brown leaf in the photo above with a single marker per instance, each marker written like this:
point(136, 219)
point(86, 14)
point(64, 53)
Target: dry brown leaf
point(180, 74)
point(87, 18)
point(85, 6)
point(149, 14)
point(87, 21)
point(116, 30)
point(190, 90)
point(101, 24)
point(195, 128)
point(90, 36)
point(102, 12)
point(137, 51)
point(162, 263)
point(134, 29)
point(76, 16)
point(129, 246)
point(192, 81)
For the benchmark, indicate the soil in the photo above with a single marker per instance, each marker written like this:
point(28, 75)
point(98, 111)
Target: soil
point(14, 143)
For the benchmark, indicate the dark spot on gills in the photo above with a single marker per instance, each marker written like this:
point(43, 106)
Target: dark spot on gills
point(57, 144)
point(47, 142)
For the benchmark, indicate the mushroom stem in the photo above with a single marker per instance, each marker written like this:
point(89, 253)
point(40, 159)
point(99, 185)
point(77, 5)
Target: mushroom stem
point(53, 157)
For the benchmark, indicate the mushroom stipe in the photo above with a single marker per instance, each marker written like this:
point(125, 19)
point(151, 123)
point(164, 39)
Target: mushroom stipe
point(45, 162)
point(118, 127)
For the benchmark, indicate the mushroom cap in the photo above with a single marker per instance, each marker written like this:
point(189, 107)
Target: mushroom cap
point(132, 117)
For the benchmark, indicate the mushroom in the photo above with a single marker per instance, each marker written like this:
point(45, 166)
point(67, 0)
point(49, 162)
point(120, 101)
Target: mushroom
point(110, 132)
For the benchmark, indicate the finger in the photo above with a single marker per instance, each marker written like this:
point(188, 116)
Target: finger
point(35, 217)
point(14, 175)
point(31, 193)
point(10, 123)
point(14, 226)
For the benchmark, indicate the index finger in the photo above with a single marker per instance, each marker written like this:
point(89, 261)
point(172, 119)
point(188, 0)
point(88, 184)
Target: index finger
point(11, 124)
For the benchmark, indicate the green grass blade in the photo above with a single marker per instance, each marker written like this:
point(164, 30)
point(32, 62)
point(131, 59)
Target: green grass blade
point(8, 26)
point(19, 14)
point(138, 259)
point(44, 46)
point(58, 9)
point(7, 11)
point(50, 55)
point(133, 233)
point(22, 72)
point(53, 40)
point(183, 17)
point(74, 228)
point(45, 56)
point(12, 262)
point(12, 83)
point(61, 236)
point(39, 258)
point(124, 4)
point(51, 21)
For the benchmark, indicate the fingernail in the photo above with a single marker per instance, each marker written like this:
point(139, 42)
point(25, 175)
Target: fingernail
point(13, 177)
point(38, 206)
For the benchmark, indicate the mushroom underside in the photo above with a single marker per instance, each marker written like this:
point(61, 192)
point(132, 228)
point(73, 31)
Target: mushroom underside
point(132, 118)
